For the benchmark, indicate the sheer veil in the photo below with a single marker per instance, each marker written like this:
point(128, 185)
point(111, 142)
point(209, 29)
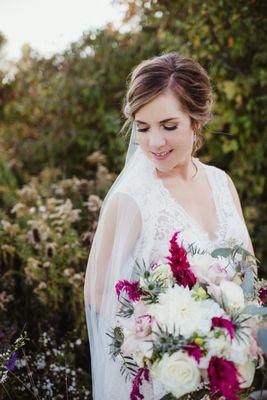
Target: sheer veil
point(110, 259)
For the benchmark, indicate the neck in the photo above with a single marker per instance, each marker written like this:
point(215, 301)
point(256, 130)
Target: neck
point(185, 171)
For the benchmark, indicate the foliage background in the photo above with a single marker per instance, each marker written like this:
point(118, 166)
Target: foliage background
point(60, 151)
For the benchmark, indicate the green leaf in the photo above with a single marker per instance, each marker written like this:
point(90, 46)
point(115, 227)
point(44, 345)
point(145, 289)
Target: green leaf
point(254, 310)
point(262, 339)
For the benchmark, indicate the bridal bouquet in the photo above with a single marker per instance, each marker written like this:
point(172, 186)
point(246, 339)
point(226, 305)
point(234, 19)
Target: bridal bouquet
point(196, 323)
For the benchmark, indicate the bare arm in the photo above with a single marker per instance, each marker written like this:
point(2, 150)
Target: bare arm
point(239, 208)
point(116, 235)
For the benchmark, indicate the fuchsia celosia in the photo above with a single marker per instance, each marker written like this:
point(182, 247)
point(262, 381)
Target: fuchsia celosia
point(137, 382)
point(179, 264)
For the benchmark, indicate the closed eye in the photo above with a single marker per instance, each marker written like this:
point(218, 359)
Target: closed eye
point(168, 128)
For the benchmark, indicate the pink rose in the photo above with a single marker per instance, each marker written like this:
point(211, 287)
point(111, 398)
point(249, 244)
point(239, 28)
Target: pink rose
point(137, 330)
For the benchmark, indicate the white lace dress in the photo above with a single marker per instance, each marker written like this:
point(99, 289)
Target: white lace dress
point(162, 215)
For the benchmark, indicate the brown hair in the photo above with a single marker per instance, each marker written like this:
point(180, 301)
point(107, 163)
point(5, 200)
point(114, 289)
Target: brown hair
point(185, 77)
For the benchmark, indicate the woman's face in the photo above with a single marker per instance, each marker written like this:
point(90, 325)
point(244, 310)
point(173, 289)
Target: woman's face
point(162, 126)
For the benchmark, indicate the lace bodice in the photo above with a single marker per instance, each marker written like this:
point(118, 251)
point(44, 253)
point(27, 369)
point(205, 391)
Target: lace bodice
point(162, 215)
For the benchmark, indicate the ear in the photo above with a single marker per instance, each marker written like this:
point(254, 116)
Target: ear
point(196, 126)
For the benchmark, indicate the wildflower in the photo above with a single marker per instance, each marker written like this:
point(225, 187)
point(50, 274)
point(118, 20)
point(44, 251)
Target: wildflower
point(93, 203)
point(10, 364)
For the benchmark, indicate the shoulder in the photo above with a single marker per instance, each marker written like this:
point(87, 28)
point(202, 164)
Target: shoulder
point(121, 201)
point(219, 172)
point(120, 213)
point(222, 176)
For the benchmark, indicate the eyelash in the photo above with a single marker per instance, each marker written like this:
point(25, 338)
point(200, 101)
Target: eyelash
point(170, 128)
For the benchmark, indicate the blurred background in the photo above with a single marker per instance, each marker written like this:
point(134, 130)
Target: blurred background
point(63, 72)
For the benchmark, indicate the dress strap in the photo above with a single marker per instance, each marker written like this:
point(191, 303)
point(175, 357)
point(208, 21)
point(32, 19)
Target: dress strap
point(226, 207)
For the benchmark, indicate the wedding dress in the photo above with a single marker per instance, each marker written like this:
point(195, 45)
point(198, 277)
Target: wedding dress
point(152, 215)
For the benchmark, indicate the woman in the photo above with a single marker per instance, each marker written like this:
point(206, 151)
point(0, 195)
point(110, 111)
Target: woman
point(162, 188)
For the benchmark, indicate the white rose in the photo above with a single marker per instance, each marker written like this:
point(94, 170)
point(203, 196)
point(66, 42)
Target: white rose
point(178, 373)
point(247, 372)
point(232, 295)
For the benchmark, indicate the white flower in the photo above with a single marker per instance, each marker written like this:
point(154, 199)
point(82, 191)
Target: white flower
point(177, 306)
point(247, 372)
point(160, 271)
point(137, 331)
point(209, 270)
point(222, 346)
point(163, 272)
point(178, 373)
point(215, 346)
point(138, 357)
point(239, 350)
point(232, 295)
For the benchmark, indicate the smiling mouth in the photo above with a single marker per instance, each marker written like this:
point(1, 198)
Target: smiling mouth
point(163, 153)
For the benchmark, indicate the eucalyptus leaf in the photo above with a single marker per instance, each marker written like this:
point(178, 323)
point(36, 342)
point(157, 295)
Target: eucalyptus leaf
point(262, 339)
point(254, 310)
point(222, 251)
point(248, 283)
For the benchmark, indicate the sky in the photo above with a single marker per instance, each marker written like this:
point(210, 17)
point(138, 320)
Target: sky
point(50, 25)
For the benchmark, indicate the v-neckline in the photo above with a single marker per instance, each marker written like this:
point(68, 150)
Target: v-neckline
point(191, 219)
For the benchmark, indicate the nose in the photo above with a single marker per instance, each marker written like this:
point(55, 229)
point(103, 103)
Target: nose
point(156, 140)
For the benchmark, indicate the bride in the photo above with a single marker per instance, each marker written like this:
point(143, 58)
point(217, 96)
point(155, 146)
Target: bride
point(162, 188)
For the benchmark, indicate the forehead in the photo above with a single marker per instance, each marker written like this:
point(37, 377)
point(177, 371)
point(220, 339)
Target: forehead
point(164, 106)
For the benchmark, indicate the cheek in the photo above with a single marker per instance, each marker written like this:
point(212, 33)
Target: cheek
point(143, 141)
point(181, 141)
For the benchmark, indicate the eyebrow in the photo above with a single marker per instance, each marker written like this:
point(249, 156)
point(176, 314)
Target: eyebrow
point(164, 120)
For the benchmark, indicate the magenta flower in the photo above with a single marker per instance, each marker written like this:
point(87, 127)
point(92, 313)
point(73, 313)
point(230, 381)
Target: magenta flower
point(193, 350)
point(263, 294)
point(220, 322)
point(137, 382)
point(179, 264)
point(223, 378)
point(131, 288)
